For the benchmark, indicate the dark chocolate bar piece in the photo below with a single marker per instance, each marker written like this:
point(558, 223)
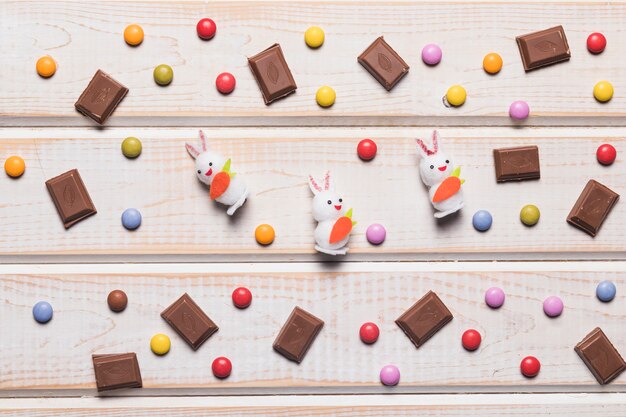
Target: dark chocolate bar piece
point(272, 74)
point(297, 334)
point(189, 321)
point(592, 207)
point(516, 164)
point(383, 63)
point(543, 48)
point(70, 198)
point(600, 356)
point(424, 319)
point(101, 97)
point(116, 371)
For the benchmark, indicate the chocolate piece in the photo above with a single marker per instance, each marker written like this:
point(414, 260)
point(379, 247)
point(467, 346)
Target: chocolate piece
point(543, 48)
point(383, 63)
point(189, 321)
point(297, 334)
point(516, 164)
point(272, 74)
point(101, 97)
point(592, 207)
point(116, 371)
point(600, 356)
point(424, 319)
point(70, 198)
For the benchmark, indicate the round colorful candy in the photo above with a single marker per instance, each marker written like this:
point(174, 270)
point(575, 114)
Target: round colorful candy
point(603, 91)
point(431, 54)
point(314, 37)
point(133, 35)
point(553, 306)
point(519, 110)
point(606, 154)
point(482, 220)
point(456, 95)
point(494, 297)
point(529, 215)
point(131, 218)
point(325, 96)
point(14, 166)
point(222, 367)
point(471, 339)
point(131, 147)
point(375, 234)
point(46, 67)
point(492, 63)
point(160, 344)
point(264, 234)
point(117, 300)
point(390, 375)
point(530, 366)
point(42, 312)
point(163, 74)
point(366, 149)
point(225, 83)
point(605, 291)
point(596, 42)
point(206, 28)
point(369, 333)
point(242, 297)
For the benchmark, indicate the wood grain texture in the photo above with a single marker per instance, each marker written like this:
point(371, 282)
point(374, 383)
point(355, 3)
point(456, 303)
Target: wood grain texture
point(180, 222)
point(55, 359)
point(85, 36)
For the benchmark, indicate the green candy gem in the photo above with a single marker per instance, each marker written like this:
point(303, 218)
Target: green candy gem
point(529, 215)
point(163, 74)
point(131, 147)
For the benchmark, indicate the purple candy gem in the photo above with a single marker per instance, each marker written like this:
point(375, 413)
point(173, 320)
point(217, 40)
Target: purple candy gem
point(431, 54)
point(553, 306)
point(494, 297)
point(375, 234)
point(519, 110)
point(390, 375)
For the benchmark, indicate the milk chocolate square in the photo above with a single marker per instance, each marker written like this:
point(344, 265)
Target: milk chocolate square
point(101, 97)
point(380, 60)
point(272, 74)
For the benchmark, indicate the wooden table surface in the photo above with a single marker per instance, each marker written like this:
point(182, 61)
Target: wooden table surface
point(188, 244)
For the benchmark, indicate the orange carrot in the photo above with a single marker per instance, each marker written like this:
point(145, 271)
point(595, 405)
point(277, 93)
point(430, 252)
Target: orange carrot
point(341, 229)
point(449, 187)
point(219, 185)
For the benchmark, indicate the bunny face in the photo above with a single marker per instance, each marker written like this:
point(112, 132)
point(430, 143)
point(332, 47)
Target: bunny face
point(435, 166)
point(328, 205)
point(207, 165)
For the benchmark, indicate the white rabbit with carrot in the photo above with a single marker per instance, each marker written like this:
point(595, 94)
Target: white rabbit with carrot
point(438, 173)
point(334, 222)
point(213, 170)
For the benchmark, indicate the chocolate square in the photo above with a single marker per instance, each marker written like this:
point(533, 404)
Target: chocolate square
point(543, 48)
point(116, 371)
point(592, 207)
point(272, 74)
point(189, 321)
point(101, 97)
point(70, 197)
point(516, 164)
point(600, 356)
point(297, 334)
point(383, 63)
point(425, 318)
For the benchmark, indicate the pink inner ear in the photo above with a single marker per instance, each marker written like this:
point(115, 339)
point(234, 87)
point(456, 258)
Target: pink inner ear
point(327, 180)
point(191, 150)
point(202, 140)
point(435, 142)
point(314, 184)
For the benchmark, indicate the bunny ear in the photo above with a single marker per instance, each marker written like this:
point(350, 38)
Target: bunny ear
point(435, 142)
point(314, 186)
point(203, 141)
point(193, 151)
point(421, 148)
point(327, 181)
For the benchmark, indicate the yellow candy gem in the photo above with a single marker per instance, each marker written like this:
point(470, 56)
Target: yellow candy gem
point(314, 37)
point(325, 96)
point(160, 344)
point(603, 91)
point(456, 95)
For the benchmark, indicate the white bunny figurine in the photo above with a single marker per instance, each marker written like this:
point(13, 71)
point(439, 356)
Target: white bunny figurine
point(214, 171)
point(436, 170)
point(334, 222)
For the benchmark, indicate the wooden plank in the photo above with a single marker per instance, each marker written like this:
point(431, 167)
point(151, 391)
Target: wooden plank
point(70, 32)
point(181, 223)
point(55, 359)
point(559, 405)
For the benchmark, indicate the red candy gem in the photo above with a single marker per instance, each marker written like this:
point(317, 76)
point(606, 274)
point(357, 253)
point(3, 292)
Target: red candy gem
point(606, 154)
point(596, 42)
point(471, 339)
point(366, 149)
point(530, 366)
point(225, 83)
point(206, 28)
point(369, 333)
point(222, 367)
point(242, 297)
